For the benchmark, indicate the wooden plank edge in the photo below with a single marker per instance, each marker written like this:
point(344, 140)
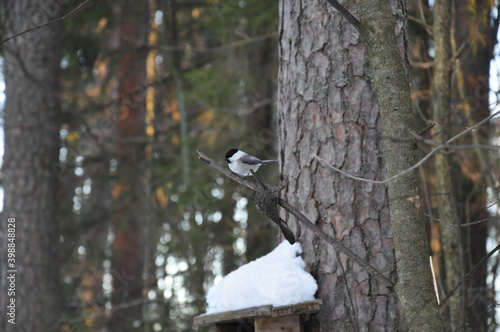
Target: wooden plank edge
point(264, 310)
point(232, 316)
point(297, 309)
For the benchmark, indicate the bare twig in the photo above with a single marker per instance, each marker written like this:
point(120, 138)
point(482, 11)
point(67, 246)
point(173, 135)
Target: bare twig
point(469, 274)
point(48, 23)
point(102, 311)
point(222, 48)
point(334, 242)
point(421, 11)
point(433, 143)
point(354, 320)
point(426, 129)
point(472, 223)
point(479, 221)
point(303, 219)
point(443, 145)
point(349, 17)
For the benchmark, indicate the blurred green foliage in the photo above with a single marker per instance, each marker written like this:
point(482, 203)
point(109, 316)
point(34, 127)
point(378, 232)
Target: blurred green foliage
point(211, 87)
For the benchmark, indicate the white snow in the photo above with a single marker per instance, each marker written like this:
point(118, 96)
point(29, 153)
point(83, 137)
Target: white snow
point(277, 278)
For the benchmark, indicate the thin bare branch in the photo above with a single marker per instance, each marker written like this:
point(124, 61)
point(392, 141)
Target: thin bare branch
point(303, 219)
point(220, 49)
point(472, 223)
point(418, 164)
point(102, 311)
point(349, 17)
point(48, 23)
point(433, 143)
point(468, 275)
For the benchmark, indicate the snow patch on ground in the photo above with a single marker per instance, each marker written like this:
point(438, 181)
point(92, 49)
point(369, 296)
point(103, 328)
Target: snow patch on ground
point(277, 278)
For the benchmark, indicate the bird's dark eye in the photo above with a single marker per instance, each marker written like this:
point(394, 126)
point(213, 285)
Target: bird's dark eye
point(228, 161)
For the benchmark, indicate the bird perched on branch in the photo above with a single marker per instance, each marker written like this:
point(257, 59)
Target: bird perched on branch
point(242, 163)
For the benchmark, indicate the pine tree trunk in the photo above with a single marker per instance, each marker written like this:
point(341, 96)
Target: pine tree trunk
point(326, 106)
point(32, 115)
point(127, 193)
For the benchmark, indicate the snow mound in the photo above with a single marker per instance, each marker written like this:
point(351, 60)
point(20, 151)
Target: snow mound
point(277, 278)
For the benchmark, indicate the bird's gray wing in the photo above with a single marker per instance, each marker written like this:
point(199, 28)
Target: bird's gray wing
point(250, 160)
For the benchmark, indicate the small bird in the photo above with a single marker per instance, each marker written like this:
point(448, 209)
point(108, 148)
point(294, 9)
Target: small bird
point(241, 162)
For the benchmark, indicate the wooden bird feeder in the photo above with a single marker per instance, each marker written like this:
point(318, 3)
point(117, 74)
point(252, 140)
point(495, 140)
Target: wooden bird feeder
point(265, 318)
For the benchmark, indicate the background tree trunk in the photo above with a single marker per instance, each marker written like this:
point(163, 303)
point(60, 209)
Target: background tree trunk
point(128, 198)
point(474, 39)
point(326, 106)
point(447, 211)
point(32, 123)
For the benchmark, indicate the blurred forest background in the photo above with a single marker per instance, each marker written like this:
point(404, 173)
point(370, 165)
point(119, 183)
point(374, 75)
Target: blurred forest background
point(143, 228)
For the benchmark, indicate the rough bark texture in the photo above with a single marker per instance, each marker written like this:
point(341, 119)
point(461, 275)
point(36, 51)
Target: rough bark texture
point(326, 106)
point(32, 109)
point(415, 287)
point(128, 201)
point(447, 212)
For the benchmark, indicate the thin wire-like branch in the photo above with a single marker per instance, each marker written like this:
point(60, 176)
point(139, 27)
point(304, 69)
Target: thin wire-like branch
point(471, 147)
point(303, 219)
point(469, 274)
point(333, 242)
point(220, 49)
point(349, 17)
point(472, 223)
point(48, 23)
point(104, 311)
point(422, 65)
point(422, 23)
point(418, 164)
point(479, 221)
point(433, 143)
point(421, 11)
point(354, 320)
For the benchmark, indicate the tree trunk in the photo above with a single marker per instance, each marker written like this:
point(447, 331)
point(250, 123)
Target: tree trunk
point(326, 106)
point(415, 286)
point(127, 193)
point(447, 211)
point(32, 115)
point(475, 37)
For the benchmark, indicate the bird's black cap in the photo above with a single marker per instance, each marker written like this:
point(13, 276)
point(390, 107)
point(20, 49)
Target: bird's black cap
point(230, 153)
